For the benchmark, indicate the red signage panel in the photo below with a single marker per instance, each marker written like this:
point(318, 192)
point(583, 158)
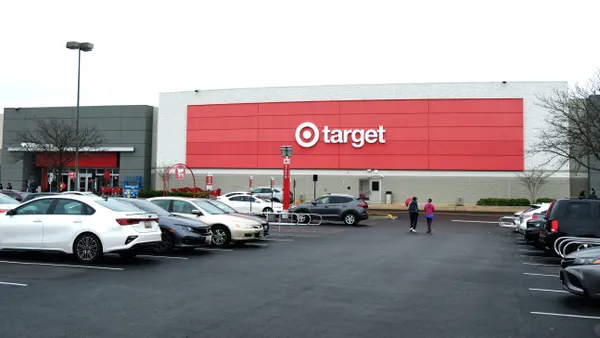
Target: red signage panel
point(86, 160)
point(428, 134)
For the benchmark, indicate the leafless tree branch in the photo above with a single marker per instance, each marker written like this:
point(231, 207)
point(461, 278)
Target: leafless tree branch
point(58, 139)
point(161, 171)
point(571, 133)
point(533, 180)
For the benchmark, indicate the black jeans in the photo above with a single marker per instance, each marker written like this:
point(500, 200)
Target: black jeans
point(414, 217)
point(429, 220)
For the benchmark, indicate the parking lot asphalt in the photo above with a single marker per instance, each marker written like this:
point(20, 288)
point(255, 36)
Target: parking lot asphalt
point(470, 278)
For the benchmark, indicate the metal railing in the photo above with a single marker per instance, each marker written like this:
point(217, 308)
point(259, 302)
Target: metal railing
point(561, 244)
point(292, 219)
point(508, 221)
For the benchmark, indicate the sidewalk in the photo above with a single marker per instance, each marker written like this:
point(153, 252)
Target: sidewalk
point(447, 208)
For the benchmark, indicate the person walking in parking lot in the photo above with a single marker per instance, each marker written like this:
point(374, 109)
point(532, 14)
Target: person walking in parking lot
point(429, 210)
point(413, 211)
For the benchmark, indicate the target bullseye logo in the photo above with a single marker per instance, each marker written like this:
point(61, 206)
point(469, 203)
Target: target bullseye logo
point(307, 134)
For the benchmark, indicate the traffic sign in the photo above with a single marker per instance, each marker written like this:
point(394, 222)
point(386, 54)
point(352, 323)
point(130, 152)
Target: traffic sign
point(209, 182)
point(180, 171)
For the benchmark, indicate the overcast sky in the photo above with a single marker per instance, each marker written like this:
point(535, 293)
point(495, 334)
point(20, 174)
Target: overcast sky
point(143, 48)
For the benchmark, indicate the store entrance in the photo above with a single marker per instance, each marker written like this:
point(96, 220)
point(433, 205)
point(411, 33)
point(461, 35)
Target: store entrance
point(91, 180)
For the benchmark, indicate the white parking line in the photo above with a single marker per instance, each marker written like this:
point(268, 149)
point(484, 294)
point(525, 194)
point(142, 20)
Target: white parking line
point(539, 274)
point(214, 249)
point(166, 257)
point(13, 284)
point(257, 244)
point(548, 290)
point(539, 264)
point(563, 315)
point(466, 221)
point(64, 265)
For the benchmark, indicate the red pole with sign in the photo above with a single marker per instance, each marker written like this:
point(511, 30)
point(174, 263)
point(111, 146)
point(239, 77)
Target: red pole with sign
point(286, 184)
point(209, 184)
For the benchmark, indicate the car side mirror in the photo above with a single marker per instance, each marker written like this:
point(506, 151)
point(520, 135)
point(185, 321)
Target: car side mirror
point(196, 212)
point(10, 212)
point(314, 202)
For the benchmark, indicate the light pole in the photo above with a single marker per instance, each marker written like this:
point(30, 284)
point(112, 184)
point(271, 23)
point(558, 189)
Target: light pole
point(79, 47)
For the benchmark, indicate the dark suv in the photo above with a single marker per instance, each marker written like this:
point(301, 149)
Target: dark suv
point(335, 207)
point(571, 217)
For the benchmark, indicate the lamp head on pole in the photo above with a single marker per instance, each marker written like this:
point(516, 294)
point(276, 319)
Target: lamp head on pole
point(286, 151)
point(83, 46)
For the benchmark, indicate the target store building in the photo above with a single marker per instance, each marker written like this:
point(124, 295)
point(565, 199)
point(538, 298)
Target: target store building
point(447, 141)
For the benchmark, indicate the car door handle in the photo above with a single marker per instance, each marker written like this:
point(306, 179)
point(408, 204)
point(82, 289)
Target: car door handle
point(37, 220)
point(77, 221)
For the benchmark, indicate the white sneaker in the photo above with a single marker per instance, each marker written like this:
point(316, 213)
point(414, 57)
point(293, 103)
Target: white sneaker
point(412, 230)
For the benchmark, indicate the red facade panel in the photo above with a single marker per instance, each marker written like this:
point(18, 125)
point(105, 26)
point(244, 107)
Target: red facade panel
point(89, 160)
point(429, 134)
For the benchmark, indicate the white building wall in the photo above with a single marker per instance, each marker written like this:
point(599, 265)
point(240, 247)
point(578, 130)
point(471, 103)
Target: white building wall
point(172, 116)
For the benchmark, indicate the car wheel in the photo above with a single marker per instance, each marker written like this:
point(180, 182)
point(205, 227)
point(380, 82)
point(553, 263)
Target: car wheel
point(267, 210)
point(221, 235)
point(350, 219)
point(167, 242)
point(87, 248)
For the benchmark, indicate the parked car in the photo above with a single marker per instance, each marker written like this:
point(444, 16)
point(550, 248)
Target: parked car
point(17, 195)
point(34, 195)
point(226, 228)
point(233, 193)
point(228, 209)
point(177, 231)
point(528, 214)
point(85, 226)
point(7, 203)
point(275, 194)
point(81, 193)
point(335, 207)
point(534, 226)
point(570, 217)
point(580, 273)
point(250, 204)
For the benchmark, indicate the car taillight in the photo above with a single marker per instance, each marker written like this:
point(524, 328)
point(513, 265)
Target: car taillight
point(534, 216)
point(549, 212)
point(132, 221)
point(554, 226)
point(363, 205)
point(3, 211)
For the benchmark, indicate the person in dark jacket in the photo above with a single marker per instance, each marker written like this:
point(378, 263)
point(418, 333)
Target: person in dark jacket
point(413, 211)
point(582, 194)
point(593, 193)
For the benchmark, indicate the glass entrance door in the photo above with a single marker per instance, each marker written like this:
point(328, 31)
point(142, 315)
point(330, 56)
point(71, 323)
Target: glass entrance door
point(85, 182)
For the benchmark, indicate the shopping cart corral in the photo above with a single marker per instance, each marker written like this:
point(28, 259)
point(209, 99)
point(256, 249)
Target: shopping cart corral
point(565, 245)
point(509, 221)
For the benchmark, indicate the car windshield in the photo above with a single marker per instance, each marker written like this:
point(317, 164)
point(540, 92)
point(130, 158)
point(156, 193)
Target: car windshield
point(146, 206)
point(7, 200)
point(224, 207)
point(208, 207)
point(117, 206)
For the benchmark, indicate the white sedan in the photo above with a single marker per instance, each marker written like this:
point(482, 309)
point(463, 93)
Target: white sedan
point(251, 204)
point(7, 203)
point(226, 227)
point(86, 226)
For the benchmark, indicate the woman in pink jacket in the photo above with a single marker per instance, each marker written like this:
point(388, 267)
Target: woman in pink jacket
point(429, 210)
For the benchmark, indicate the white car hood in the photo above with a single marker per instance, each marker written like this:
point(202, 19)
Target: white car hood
point(227, 219)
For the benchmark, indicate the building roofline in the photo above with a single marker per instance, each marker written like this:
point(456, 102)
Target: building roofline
point(364, 84)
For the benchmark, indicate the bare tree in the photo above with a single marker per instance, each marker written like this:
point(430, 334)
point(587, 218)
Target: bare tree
point(572, 129)
point(533, 180)
point(58, 139)
point(161, 171)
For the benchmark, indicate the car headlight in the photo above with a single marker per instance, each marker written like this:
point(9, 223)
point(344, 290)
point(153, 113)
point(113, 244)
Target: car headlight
point(243, 226)
point(586, 261)
point(185, 227)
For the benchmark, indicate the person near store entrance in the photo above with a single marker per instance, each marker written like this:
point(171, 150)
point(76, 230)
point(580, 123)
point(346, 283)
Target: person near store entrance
point(429, 209)
point(413, 211)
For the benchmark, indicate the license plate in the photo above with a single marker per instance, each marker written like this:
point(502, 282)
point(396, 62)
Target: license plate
point(148, 225)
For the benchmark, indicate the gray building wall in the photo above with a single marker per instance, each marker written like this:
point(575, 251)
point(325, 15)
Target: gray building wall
point(122, 126)
point(442, 189)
